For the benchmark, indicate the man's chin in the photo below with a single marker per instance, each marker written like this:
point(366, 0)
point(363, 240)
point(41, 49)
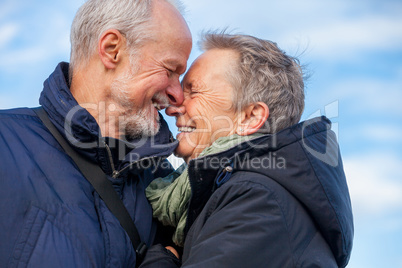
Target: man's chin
point(137, 130)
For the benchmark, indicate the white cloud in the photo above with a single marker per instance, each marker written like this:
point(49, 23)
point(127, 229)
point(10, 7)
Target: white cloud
point(332, 31)
point(6, 101)
point(19, 59)
point(393, 224)
point(384, 97)
point(361, 95)
point(7, 33)
point(349, 38)
point(7, 7)
point(371, 133)
point(383, 132)
point(375, 183)
point(59, 32)
point(45, 44)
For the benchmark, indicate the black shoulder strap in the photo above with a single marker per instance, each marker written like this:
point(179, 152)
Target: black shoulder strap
point(94, 174)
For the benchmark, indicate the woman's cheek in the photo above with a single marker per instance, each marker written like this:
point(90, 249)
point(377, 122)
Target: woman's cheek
point(184, 150)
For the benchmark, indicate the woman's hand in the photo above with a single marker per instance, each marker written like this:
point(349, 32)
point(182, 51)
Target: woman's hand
point(174, 251)
point(160, 256)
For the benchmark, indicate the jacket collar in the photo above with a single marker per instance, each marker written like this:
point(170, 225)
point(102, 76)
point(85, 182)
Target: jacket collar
point(260, 146)
point(80, 127)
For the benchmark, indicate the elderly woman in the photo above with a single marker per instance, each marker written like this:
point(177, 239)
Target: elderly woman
point(258, 190)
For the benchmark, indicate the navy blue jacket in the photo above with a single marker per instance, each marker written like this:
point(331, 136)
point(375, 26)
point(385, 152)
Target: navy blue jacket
point(279, 201)
point(50, 215)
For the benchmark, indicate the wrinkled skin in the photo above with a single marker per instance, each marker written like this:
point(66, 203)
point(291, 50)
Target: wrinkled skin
point(207, 112)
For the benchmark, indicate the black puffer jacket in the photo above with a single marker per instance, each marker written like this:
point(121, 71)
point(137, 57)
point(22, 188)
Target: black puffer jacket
point(279, 201)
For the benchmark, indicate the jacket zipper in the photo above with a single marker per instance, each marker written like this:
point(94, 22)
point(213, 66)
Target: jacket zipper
point(131, 164)
point(116, 173)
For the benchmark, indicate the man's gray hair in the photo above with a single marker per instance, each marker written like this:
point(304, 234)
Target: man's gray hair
point(264, 73)
point(130, 17)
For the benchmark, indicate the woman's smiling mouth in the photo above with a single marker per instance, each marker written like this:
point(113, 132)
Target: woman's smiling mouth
point(186, 129)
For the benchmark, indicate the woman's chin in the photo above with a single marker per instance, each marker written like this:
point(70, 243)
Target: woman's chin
point(187, 150)
point(180, 154)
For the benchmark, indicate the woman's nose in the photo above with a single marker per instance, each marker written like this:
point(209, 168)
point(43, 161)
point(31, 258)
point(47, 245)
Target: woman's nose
point(175, 110)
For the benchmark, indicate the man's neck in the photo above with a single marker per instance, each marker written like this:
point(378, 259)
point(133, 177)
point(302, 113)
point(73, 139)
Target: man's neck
point(90, 91)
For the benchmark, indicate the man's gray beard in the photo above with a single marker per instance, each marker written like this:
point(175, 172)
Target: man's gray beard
point(135, 124)
point(140, 125)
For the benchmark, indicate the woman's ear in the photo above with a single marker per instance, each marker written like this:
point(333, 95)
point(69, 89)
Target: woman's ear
point(110, 48)
point(253, 117)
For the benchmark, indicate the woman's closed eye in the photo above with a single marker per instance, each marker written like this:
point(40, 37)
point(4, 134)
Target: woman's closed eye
point(191, 92)
point(191, 89)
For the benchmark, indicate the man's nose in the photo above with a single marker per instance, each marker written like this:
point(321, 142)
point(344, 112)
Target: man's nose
point(175, 110)
point(175, 93)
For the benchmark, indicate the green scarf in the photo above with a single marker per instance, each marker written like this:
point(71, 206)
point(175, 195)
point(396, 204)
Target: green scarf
point(169, 196)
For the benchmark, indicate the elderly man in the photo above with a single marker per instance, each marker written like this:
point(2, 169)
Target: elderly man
point(126, 59)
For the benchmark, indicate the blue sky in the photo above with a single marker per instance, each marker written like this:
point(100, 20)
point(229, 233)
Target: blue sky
point(353, 50)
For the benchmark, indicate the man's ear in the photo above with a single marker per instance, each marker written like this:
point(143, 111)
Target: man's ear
point(110, 48)
point(252, 118)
